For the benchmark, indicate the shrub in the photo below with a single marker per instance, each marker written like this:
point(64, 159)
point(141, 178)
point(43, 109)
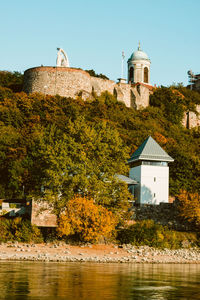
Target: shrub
point(86, 220)
point(189, 207)
point(12, 80)
point(149, 233)
point(19, 230)
point(6, 234)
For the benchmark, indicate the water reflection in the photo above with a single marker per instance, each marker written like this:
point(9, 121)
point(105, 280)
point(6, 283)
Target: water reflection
point(35, 280)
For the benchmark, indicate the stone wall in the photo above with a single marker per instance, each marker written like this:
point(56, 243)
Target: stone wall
point(54, 80)
point(42, 215)
point(71, 82)
point(166, 214)
point(192, 119)
point(100, 85)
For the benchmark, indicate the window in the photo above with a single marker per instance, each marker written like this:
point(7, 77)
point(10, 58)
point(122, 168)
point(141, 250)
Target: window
point(149, 163)
point(146, 75)
point(154, 179)
point(154, 163)
point(154, 195)
point(131, 74)
point(135, 164)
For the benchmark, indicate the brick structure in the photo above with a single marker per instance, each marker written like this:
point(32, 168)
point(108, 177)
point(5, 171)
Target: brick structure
point(42, 214)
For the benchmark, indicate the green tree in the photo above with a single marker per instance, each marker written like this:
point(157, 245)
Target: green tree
point(84, 160)
point(171, 102)
point(12, 80)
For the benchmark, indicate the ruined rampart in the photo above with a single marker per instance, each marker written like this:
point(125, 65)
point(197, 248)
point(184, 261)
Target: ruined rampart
point(192, 119)
point(71, 82)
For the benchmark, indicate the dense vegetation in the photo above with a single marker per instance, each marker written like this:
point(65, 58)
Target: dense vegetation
point(14, 80)
point(190, 207)
point(19, 230)
point(58, 147)
point(149, 233)
point(100, 133)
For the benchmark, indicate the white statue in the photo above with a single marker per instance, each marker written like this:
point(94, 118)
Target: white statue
point(62, 59)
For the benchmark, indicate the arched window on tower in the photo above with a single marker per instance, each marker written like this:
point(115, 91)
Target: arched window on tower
point(146, 75)
point(131, 74)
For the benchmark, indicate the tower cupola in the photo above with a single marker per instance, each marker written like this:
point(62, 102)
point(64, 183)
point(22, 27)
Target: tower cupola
point(139, 67)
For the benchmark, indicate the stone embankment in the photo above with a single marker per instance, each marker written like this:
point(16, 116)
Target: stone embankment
point(97, 253)
point(166, 214)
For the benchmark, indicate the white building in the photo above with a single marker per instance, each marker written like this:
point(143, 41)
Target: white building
point(139, 67)
point(149, 167)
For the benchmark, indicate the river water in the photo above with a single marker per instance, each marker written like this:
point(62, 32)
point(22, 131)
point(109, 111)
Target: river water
point(85, 281)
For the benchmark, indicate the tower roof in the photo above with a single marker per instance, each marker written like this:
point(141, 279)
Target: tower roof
point(126, 179)
point(150, 150)
point(139, 55)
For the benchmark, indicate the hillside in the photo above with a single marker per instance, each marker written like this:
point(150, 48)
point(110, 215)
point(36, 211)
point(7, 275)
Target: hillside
point(102, 131)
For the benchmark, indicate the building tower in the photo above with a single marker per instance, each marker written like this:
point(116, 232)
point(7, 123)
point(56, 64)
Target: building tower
point(139, 67)
point(149, 167)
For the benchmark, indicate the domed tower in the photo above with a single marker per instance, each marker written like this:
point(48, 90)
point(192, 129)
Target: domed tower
point(139, 67)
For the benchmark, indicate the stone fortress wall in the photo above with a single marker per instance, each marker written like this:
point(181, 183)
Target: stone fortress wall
point(71, 82)
point(192, 119)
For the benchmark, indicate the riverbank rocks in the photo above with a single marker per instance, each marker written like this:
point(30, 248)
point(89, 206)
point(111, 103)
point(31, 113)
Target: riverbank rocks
point(99, 254)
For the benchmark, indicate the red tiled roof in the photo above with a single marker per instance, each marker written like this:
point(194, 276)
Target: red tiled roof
point(150, 87)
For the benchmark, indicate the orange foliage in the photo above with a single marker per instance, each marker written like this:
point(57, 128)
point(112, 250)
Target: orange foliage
point(161, 139)
point(178, 93)
point(190, 206)
point(87, 220)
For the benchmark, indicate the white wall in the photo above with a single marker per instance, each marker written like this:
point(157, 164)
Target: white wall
point(135, 173)
point(138, 67)
point(149, 191)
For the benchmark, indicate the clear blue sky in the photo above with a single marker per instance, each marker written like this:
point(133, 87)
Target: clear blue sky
point(94, 33)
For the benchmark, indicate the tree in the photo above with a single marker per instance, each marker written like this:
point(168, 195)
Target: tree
point(190, 207)
point(83, 160)
point(171, 102)
point(12, 80)
point(86, 220)
point(12, 153)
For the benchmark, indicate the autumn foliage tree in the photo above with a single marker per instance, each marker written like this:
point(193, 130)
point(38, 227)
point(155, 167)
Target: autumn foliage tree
point(86, 220)
point(190, 207)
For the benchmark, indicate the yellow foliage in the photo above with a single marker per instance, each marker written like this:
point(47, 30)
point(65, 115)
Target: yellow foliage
point(87, 220)
point(190, 206)
point(161, 139)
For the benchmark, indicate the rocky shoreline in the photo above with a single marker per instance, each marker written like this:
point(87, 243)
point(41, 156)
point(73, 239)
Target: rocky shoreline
point(97, 253)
